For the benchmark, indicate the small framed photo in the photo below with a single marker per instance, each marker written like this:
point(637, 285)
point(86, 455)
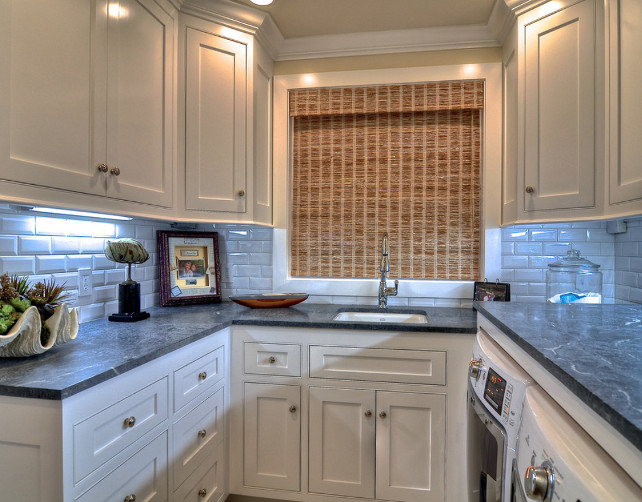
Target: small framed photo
point(491, 292)
point(188, 267)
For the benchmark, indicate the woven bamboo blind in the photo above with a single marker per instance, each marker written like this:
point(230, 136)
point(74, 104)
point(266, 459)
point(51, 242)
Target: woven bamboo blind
point(402, 159)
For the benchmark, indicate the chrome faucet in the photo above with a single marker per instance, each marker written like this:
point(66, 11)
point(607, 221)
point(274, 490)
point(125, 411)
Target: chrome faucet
point(385, 291)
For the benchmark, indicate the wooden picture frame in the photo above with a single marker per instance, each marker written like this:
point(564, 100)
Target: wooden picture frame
point(189, 268)
point(491, 292)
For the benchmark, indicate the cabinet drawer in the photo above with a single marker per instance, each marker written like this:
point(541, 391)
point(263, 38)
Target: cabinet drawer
point(378, 365)
point(143, 475)
point(196, 435)
point(272, 359)
point(198, 376)
point(103, 435)
point(206, 484)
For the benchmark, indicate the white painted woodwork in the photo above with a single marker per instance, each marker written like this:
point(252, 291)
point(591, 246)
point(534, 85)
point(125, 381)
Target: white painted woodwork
point(411, 446)
point(625, 166)
point(198, 376)
point(342, 442)
point(509, 140)
point(272, 359)
point(383, 365)
point(144, 476)
point(196, 435)
point(86, 88)
point(558, 116)
point(209, 476)
point(215, 122)
point(272, 436)
point(106, 433)
point(31, 445)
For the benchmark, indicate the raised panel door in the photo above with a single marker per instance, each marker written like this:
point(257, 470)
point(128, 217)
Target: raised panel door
point(411, 446)
point(139, 102)
point(272, 436)
point(626, 88)
point(215, 123)
point(558, 117)
point(342, 442)
point(46, 113)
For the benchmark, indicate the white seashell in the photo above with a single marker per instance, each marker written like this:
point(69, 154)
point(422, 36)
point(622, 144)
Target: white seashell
point(27, 341)
point(10, 335)
point(64, 323)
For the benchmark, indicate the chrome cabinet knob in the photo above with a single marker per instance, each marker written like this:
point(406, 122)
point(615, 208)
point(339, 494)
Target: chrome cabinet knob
point(272, 359)
point(202, 492)
point(202, 433)
point(368, 413)
point(103, 168)
point(292, 409)
point(115, 171)
point(539, 481)
point(241, 193)
point(202, 375)
point(130, 498)
point(382, 414)
point(474, 367)
point(529, 189)
point(129, 421)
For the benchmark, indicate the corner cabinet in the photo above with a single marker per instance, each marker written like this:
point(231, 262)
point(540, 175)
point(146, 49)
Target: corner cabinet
point(317, 414)
point(154, 433)
point(87, 101)
point(224, 126)
point(571, 83)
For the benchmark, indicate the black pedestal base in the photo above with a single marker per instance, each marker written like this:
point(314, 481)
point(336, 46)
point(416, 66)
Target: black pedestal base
point(129, 317)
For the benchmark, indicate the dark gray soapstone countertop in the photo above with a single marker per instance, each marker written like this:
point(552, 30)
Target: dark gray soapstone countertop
point(104, 349)
point(594, 350)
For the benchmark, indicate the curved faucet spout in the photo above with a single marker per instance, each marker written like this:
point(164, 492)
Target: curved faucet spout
point(385, 291)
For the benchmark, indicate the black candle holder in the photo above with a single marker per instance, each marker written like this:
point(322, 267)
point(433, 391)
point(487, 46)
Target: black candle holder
point(129, 301)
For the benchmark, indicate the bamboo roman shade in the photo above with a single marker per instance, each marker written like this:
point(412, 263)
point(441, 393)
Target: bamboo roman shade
point(402, 159)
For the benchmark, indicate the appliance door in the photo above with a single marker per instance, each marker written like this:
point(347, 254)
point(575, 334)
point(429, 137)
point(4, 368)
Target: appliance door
point(485, 453)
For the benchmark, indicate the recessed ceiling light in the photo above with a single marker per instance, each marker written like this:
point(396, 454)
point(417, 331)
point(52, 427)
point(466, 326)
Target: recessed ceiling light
point(262, 2)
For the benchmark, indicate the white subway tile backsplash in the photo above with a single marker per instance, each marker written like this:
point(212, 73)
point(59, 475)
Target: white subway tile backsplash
point(34, 245)
point(18, 225)
point(8, 245)
point(74, 262)
point(514, 234)
point(51, 264)
point(260, 283)
point(237, 258)
point(260, 259)
point(528, 248)
point(576, 235)
point(21, 265)
point(515, 261)
point(65, 245)
point(544, 235)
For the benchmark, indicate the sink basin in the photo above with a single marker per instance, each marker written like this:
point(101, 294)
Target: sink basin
point(382, 317)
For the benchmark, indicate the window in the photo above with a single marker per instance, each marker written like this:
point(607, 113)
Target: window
point(402, 159)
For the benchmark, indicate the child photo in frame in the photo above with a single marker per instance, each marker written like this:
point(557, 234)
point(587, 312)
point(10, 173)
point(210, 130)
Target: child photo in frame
point(491, 292)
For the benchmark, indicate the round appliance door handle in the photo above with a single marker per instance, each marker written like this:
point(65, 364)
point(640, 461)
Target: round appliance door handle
point(538, 482)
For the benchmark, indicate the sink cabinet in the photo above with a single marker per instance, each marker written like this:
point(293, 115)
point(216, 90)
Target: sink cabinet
point(319, 413)
point(155, 432)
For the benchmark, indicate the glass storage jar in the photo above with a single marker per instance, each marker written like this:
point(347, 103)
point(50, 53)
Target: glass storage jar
point(573, 279)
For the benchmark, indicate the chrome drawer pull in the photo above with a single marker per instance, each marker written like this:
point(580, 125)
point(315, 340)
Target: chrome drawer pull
point(292, 409)
point(129, 422)
point(202, 492)
point(272, 359)
point(202, 375)
point(368, 413)
point(382, 414)
point(202, 433)
point(103, 168)
point(130, 498)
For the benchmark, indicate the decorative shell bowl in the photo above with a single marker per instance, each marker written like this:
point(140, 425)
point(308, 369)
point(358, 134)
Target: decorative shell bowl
point(23, 340)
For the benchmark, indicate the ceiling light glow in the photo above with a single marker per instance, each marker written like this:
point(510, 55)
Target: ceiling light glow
point(85, 214)
point(261, 2)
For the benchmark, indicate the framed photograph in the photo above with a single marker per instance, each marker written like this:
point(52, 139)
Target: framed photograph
point(491, 292)
point(188, 267)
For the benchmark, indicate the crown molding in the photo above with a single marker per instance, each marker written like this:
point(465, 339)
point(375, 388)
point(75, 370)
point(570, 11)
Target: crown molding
point(380, 42)
point(500, 21)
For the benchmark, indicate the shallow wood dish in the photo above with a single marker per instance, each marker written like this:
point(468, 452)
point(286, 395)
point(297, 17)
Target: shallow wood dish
point(270, 300)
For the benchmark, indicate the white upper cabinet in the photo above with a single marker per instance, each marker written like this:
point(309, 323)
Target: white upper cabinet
point(86, 101)
point(625, 120)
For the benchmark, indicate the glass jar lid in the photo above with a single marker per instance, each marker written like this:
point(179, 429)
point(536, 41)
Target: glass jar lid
point(573, 262)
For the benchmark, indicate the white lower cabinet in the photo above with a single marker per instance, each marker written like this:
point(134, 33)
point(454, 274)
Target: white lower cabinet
point(272, 432)
point(371, 414)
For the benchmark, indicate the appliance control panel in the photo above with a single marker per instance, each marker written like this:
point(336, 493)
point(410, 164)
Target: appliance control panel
point(498, 393)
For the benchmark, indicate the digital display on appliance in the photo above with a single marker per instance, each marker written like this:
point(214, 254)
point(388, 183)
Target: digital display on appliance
point(495, 389)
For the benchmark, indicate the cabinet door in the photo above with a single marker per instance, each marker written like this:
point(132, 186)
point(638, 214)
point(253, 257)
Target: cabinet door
point(342, 442)
point(626, 88)
point(558, 115)
point(138, 101)
point(46, 134)
point(411, 458)
point(272, 433)
point(215, 122)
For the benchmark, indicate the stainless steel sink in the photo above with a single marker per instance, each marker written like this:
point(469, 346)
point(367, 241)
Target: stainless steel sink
point(382, 317)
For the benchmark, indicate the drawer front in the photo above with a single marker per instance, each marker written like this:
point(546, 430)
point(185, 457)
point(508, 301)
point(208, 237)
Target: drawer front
point(272, 359)
point(198, 376)
point(378, 365)
point(206, 484)
point(196, 435)
point(143, 476)
point(108, 432)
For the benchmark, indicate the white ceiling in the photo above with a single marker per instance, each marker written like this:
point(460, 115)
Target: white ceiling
point(305, 18)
